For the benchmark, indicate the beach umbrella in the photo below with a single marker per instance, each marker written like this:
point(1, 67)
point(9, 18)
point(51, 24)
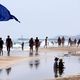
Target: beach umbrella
point(5, 14)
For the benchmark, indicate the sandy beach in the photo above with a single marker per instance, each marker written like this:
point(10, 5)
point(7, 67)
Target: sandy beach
point(8, 61)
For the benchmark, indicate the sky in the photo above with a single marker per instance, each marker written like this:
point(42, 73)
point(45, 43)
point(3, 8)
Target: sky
point(41, 18)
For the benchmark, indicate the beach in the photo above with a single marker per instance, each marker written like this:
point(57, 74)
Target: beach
point(51, 25)
point(14, 59)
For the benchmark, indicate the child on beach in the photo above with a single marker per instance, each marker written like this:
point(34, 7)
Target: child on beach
point(58, 66)
point(56, 62)
point(61, 66)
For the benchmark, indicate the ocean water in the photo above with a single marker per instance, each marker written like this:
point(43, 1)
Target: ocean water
point(17, 43)
point(50, 43)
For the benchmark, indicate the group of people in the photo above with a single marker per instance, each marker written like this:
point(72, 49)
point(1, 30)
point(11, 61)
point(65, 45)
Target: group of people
point(61, 41)
point(71, 42)
point(9, 44)
point(58, 67)
point(34, 42)
point(74, 42)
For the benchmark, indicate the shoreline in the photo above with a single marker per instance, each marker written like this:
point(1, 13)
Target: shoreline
point(65, 48)
point(72, 50)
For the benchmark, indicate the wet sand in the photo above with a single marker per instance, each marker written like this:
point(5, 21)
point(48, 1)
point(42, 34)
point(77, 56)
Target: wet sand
point(67, 49)
point(72, 50)
point(8, 61)
point(74, 77)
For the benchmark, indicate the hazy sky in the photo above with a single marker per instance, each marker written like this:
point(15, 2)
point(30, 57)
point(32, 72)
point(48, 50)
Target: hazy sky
point(42, 18)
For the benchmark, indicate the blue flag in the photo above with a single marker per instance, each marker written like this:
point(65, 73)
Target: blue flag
point(5, 14)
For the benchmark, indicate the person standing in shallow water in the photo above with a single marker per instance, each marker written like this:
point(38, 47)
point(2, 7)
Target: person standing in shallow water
point(31, 44)
point(59, 41)
point(61, 67)
point(78, 43)
point(69, 42)
point(1, 46)
point(56, 67)
point(46, 42)
point(22, 45)
point(37, 44)
point(8, 44)
point(63, 41)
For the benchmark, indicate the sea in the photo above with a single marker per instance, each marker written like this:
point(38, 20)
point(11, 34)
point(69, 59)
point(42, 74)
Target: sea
point(17, 43)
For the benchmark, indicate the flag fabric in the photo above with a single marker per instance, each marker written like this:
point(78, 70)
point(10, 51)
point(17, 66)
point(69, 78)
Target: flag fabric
point(5, 14)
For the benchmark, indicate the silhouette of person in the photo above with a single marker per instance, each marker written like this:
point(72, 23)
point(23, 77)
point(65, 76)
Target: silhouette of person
point(63, 40)
point(75, 41)
point(8, 70)
point(59, 41)
point(78, 42)
point(22, 46)
point(37, 44)
point(31, 44)
point(8, 44)
point(46, 42)
point(69, 42)
point(1, 46)
point(61, 67)
point(56, 67)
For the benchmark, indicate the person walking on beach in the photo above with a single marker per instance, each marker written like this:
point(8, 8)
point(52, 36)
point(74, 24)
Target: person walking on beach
point(1, 46)
point(59, 41)
point(37, 44)
point(63, 40)
point(31, 44)
point(46, 42)
point(69, 42)
point(22, 46)
point(78, 42)
point(8, 44)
